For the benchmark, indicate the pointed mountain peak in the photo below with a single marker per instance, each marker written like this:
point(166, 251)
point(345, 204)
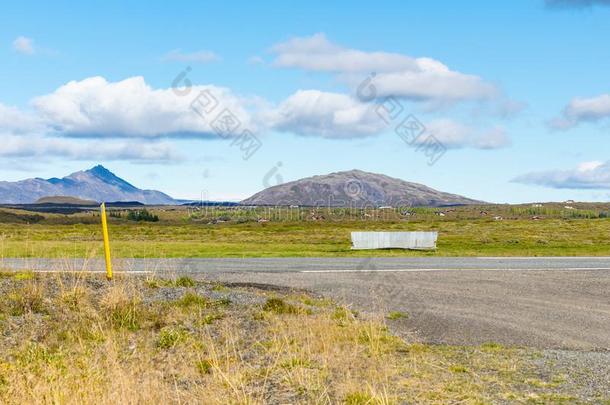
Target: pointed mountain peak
point(101, 172)
point(96, 184)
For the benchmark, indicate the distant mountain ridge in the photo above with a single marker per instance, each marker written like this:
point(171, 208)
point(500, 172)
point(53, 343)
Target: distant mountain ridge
point(97, 184)
point(355, 188)
point(65, 200)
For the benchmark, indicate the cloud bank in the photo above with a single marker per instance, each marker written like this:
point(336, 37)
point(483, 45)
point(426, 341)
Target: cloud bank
point(324, 114)
point(588, 175)
point(398, 75)
point(130, 108)
point(15, 121)
point(44, 147)
point(132, 117)
point(581, 110)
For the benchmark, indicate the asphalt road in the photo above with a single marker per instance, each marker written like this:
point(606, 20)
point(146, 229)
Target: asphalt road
point(327, 264)
point(538, 302)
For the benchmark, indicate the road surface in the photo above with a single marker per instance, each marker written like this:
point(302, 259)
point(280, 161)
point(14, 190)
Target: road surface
point(538, 302)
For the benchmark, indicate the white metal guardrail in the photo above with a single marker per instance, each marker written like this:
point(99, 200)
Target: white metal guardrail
point(394, 240)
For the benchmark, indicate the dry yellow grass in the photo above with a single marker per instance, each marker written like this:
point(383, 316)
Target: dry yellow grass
point(75, 339)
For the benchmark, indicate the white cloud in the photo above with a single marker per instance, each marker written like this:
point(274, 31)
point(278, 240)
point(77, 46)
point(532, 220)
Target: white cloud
point(24, 45)
point(198, 56)
point(589, 166)
point(587, 175)
point(95, 108)
point(433, 81)
point(583, 110)
point(317, 53)
point(495, 138)
point(15, 121)
point(25, 135)
point(131, 108)
point(453, 134)
point(589, 108)
point(328, 115)
point(338, 116)
point(396, 74)
point(39, 146)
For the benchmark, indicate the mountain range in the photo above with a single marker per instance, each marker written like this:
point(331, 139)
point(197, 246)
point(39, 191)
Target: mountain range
point(355, 188)
point(97, 184)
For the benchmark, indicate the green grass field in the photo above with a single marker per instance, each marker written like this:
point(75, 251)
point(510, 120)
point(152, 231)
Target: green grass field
point(464, 231)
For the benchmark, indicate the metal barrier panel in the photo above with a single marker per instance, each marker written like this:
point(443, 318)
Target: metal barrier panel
point(394, 240)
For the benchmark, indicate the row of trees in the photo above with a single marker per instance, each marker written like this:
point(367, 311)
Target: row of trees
point(137, 215)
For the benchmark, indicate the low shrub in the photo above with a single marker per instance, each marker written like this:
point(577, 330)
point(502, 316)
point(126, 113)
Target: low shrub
point(169, 337)
point(142, 215)
point(279, 306)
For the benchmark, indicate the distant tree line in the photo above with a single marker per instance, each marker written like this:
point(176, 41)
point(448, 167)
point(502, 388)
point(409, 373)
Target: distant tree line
point(142, 215)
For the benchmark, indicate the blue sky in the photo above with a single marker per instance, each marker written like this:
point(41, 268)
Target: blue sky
point(516, 93)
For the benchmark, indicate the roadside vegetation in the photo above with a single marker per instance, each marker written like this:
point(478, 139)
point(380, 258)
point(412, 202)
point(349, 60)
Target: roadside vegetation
point(78, 339)
point(141, 215)
point(494, 230)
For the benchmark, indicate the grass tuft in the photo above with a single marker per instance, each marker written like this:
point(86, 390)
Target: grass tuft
point(184, 281)
point(458, 368)
point(279, 306)
point(296, 363)
point(204, 366)
point(24, 275)
point(26, 300)
point(393, 316)
point(190, 299)
point(170, 337)
point(358, 398)
point(122, 310)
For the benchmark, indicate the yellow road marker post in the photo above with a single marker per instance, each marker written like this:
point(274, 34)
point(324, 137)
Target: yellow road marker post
point(106, 243)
